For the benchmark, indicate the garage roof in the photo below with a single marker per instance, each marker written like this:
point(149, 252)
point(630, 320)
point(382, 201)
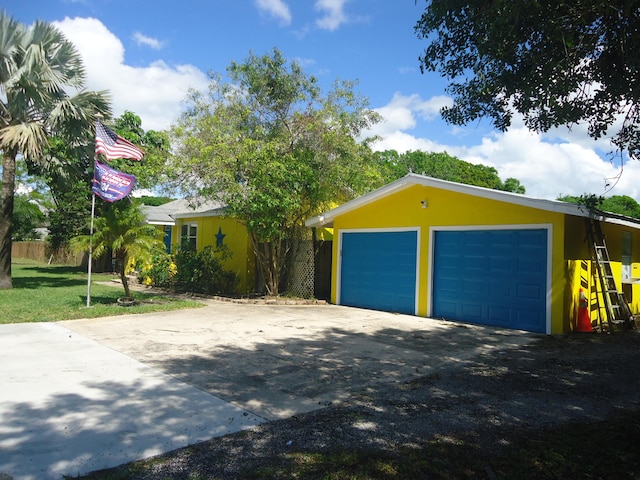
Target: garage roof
point(326, 219)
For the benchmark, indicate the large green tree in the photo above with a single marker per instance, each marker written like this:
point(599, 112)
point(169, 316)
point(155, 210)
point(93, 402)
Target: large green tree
point(272, 147)
point(41, 85)
point(556, 62)
point(151, 171)
point(30, 201)
point(70, 186)
point(68, 182)
point(27, 217)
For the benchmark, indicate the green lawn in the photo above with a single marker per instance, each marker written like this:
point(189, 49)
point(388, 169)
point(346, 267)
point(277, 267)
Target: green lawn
point(48, 293)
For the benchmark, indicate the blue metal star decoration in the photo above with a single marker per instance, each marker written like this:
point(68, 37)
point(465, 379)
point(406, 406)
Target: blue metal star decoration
point(219, 237)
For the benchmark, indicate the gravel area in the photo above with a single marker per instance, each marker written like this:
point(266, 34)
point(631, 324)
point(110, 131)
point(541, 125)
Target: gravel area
point(487, 401)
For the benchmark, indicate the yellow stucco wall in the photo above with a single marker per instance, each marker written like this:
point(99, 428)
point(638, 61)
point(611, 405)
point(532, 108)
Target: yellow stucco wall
point(236, 238)
point(578, 265)
point(445, 209)
point(324, 234)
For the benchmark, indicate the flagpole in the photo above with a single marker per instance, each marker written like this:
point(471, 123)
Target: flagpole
point(93, 208)
point(111, 146)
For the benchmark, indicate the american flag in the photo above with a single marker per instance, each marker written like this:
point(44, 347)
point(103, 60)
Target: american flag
point(112, 145)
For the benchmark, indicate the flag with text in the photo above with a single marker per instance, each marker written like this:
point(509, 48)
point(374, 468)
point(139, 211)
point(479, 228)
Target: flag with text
point(111, 185)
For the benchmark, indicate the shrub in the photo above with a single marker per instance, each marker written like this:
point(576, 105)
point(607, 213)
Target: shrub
point(202, 272)
point(161, 271)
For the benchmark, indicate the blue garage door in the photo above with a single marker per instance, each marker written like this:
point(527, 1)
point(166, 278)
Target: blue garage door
point(378, 270)
point(491, 277)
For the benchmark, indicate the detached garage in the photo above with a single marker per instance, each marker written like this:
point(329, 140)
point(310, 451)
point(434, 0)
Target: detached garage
point(439, 249)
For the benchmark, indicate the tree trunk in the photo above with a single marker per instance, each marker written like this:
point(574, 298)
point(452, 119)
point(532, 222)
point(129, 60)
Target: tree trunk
point(123, 277)
point(268, 267)
point(6, 217)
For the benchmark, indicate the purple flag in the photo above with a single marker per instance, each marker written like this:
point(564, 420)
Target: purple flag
point(111, 185)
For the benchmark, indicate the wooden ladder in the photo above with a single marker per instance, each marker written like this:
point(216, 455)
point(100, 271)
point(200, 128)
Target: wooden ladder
point(614, 309)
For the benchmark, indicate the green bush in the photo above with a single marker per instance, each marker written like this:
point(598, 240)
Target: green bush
point(202, 272)
point(161, 271)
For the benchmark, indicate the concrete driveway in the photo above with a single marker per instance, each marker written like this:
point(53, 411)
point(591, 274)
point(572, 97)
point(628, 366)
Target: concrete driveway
point(82, 395)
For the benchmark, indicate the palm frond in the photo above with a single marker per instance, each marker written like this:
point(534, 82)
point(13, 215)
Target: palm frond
point(27, 138)
point(71, 117)
point(62, 61)
point(11, 35)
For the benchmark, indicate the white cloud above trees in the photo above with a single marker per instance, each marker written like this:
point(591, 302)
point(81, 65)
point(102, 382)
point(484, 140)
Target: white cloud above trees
point(561, 162)
point(154, 91)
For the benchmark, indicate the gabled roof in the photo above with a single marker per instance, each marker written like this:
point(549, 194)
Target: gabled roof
point(182, 208)
point(326, 219)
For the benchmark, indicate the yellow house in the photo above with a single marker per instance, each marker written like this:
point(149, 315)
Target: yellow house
point(205, 224)
point(440, 249)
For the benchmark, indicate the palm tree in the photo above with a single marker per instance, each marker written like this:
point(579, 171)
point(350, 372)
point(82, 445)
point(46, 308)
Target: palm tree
point(122, 229)
point(38, 67)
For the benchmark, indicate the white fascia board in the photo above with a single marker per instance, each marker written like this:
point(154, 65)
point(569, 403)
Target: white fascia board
point(161, 222)
point(208, 213)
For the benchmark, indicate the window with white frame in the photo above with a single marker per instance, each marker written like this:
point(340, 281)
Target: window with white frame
point(189, 234)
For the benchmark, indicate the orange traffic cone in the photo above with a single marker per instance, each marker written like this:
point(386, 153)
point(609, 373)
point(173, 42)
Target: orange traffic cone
point(584, 322)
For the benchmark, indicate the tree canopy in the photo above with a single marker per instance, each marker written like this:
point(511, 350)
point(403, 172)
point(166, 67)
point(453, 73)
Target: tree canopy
point(27, 217)
point(620, 204)
point(556, 62)
point(272, 147)
point(70, 182)
point(394, 165)
point(30, 201)
point(69, 187)
point(150, 172)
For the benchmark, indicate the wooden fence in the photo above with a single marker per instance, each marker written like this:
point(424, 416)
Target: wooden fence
point(40, 252)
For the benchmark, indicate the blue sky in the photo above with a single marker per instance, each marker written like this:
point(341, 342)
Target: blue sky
point(149, 53)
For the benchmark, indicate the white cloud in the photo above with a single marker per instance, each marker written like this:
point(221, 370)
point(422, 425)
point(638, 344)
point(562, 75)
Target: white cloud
point(401, 112)
point(154, 92)
point(305, 62)
point(148, 41)
point(546, 169)
point(577, 133)
point(402, 142)
point(334, 14)
point(277, 9)
point(563, 162)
